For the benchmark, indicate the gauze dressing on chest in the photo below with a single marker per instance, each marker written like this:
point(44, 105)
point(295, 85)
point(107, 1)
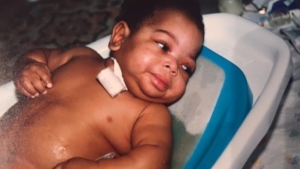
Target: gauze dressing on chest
point(112, 81)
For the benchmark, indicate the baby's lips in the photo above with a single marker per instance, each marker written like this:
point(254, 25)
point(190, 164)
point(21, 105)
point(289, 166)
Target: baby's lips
point(160, 82)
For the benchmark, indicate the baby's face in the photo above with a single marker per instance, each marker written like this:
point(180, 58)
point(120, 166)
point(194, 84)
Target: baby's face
point(158, 59)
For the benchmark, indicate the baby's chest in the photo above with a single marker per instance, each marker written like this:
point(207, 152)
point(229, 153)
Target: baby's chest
point(100, 127)
point(116, 120)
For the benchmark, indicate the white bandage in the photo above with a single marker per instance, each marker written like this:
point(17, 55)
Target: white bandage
point(113, 82)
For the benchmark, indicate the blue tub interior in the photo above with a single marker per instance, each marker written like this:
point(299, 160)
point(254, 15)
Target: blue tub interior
point(232, 106)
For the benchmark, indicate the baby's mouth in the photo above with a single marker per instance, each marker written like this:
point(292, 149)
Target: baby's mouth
point(160, 82)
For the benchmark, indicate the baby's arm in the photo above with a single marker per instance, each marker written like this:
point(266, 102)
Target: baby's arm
point(151, 145)
point(32, 74)
point(152, 138)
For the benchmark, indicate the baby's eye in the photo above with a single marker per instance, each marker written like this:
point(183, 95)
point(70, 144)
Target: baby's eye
point(187, 69)
point(163, 46)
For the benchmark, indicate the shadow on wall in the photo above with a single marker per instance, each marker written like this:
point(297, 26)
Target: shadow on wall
point(209, 6)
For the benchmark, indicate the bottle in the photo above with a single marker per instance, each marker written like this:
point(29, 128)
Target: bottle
point(231, 6)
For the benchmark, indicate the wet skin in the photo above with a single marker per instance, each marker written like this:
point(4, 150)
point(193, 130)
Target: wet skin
point(70, 120)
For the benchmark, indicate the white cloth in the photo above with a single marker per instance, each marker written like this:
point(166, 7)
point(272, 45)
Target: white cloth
point(112, 80)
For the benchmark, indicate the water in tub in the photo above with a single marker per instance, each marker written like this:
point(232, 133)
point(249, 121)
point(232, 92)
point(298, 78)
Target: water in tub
point(192, 112)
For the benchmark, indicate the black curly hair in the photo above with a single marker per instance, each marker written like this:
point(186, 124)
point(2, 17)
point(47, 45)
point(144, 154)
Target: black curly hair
point(134, 12)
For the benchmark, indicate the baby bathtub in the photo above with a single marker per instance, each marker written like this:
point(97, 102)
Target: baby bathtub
point(263, 58)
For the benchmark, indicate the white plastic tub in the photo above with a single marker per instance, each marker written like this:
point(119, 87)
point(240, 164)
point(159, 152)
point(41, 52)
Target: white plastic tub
point(265, 60)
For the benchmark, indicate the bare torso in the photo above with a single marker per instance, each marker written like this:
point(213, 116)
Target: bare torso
point(76, 118)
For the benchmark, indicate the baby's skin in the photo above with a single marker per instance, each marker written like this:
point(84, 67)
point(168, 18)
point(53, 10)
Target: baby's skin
point(77, 118)
point(68, 119)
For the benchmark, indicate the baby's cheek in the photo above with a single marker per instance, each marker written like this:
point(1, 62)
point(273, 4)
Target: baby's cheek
point(179, 89)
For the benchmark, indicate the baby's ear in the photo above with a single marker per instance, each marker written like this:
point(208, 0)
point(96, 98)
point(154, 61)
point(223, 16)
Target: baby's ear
point(119, 34)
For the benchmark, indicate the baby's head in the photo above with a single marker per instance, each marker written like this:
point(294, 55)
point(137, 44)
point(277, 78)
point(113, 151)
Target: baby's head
point(156, 43)
point(135, 12)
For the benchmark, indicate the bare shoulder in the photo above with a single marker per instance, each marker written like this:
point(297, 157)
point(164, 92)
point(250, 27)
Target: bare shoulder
point(157, 111)
point(152, 136)
point(58, 57)
point(154, 126)
point(80, 51)
point(156, 116)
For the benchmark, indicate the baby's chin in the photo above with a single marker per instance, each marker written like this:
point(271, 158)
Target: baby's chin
point(161, 98)
point(147, 92)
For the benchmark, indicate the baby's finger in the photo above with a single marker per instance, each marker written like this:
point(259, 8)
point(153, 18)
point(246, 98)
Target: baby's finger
point(28, 86)
point(23, 91)
point(38, 85)
point(46, 77)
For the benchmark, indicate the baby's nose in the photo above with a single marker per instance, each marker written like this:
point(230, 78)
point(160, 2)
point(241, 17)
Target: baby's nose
point(173, 68)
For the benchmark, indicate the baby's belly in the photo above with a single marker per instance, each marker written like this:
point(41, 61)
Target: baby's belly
point(48, 134)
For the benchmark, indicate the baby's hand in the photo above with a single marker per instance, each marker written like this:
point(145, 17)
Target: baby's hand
point(34, 79)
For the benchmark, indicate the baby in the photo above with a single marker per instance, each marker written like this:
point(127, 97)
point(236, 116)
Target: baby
point(68, 119)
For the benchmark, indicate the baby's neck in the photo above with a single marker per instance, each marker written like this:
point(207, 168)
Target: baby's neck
point(109, 63)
